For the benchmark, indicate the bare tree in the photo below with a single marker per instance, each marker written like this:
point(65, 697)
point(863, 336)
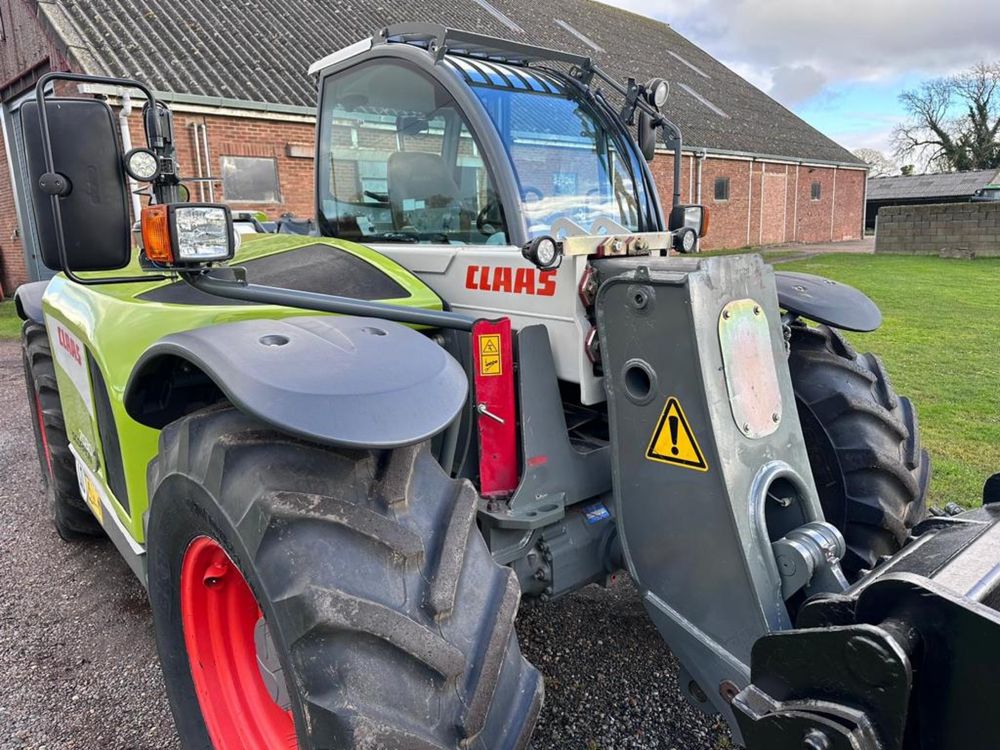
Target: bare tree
point(954, 122)
point(879, 165)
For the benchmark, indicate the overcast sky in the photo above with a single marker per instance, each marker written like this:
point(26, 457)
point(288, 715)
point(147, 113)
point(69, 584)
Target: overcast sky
point(839, 64)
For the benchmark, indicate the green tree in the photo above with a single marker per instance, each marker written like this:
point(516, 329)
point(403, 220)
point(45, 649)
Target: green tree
point(954, 122)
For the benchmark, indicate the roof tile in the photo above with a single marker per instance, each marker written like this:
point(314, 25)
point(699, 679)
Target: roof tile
point(259, 50)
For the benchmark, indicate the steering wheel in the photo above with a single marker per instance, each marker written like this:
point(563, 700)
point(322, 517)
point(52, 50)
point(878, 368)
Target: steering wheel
point(489, 217)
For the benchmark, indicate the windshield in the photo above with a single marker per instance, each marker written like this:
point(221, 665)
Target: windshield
point(398, 162)
point(567, 164)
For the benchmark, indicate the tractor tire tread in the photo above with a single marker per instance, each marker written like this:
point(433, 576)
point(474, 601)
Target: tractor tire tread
point(70, 515)
point(869, 440)
point(373, 570)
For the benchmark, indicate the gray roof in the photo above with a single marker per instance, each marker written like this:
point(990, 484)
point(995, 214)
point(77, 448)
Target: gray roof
point(922, 186)
point(259, 50)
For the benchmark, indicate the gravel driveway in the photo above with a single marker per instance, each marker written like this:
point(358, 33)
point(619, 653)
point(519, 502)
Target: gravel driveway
point(78, 662)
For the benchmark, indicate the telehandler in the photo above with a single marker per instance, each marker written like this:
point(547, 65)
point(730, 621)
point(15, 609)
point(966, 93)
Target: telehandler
point(497, 369)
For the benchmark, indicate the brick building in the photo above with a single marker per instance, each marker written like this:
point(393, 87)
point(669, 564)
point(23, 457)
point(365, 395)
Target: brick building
point(235, 76)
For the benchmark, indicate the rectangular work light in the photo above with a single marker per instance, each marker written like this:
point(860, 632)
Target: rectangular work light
point(181, 234)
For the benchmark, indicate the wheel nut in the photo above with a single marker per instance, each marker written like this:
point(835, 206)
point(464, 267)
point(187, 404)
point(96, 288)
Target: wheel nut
point(214, 574)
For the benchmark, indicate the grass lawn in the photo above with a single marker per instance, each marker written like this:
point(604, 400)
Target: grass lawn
point(940, 341)
point(10, 324)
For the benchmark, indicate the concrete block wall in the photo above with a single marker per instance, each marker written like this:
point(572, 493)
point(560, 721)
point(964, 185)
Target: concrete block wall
point(928, 230)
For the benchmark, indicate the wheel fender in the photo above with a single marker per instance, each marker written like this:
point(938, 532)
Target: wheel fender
point(348, 381)
point(28, 301)
point(827, 301)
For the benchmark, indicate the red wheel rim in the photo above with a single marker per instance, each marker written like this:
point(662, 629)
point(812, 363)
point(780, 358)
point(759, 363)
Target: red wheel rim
point(41, 431)
point(219, 614)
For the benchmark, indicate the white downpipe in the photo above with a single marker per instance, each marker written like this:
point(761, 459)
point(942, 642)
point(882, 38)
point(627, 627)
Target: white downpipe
point(763, 180)
point(833, 206)
point(123, 115)
point(197, 161)
point(700, 156)
point(208, 163)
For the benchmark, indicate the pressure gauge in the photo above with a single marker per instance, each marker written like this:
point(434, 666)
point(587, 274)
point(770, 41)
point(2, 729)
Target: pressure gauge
point(141, 164)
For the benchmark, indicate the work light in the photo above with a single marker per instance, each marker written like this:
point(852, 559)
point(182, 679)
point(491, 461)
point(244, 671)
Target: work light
point(179, 234)
point(141, 164)
point(657, 91)
point(543, 251)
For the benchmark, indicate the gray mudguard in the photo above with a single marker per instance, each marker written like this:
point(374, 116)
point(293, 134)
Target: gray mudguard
point(827, 301)
point(28, 300)
point(355, 382)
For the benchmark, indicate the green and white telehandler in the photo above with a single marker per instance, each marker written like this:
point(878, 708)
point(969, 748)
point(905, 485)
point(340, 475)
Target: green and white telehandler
point(497, 369)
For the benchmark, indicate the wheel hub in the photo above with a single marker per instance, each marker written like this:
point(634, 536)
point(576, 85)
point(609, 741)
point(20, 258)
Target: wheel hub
point(235, 667)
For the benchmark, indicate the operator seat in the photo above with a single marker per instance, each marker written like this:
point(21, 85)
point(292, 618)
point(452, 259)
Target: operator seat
point(423, 193)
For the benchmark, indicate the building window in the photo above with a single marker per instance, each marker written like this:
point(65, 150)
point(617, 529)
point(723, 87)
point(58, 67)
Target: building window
point(817, 190)
point(250, 179)
point(721, 188)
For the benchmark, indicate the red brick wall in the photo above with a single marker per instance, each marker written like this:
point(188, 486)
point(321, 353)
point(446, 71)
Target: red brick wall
point(12, 270)
point(24, 51)
point(765, 206)
point(239, 136)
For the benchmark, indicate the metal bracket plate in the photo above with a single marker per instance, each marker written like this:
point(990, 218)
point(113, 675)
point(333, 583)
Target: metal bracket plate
point(748, 363)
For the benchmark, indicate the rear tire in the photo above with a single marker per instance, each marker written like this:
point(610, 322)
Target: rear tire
point(863, 442)
point(393, 626)
point(70, 514)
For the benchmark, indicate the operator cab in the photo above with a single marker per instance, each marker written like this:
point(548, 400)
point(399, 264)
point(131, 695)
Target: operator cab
point(453, 162)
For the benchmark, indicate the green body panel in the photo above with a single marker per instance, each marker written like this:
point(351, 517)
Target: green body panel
point(116, 328)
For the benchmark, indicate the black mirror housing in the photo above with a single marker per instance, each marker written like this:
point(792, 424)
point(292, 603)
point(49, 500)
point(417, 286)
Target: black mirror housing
point(646, 136)
point(691, 216)
point(88, 178)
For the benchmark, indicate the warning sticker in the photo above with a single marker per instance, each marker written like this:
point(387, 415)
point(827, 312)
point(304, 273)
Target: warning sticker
point(673, 440)
point(93, 498)
point(490, 362)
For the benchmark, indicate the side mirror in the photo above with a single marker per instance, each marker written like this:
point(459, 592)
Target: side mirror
point(646, 136)
point(689, 217)
point(88, 180)
point(412, 125)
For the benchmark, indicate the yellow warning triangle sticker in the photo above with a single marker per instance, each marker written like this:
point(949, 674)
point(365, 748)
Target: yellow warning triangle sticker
point(673, 440)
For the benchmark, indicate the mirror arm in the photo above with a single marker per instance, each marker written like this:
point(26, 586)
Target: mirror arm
point(54, 194)
point(678, 142)
point(239, 289)
point(658, 120)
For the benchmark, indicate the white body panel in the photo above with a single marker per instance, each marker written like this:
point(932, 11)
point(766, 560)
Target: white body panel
point(450, 270)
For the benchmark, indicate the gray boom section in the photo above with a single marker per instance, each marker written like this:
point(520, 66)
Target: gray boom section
point(355, 382)
point(28, 301)
point(697, 525)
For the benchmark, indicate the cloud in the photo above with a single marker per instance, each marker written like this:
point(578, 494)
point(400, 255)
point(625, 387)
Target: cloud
point(792, 84)
point(787, 45)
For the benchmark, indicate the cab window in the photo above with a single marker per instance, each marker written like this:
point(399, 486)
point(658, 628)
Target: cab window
point(398, 162)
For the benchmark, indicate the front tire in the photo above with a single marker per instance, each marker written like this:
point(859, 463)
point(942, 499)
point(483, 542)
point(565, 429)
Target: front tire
point(392, 625)
point(70, 514)
point(863, 442)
